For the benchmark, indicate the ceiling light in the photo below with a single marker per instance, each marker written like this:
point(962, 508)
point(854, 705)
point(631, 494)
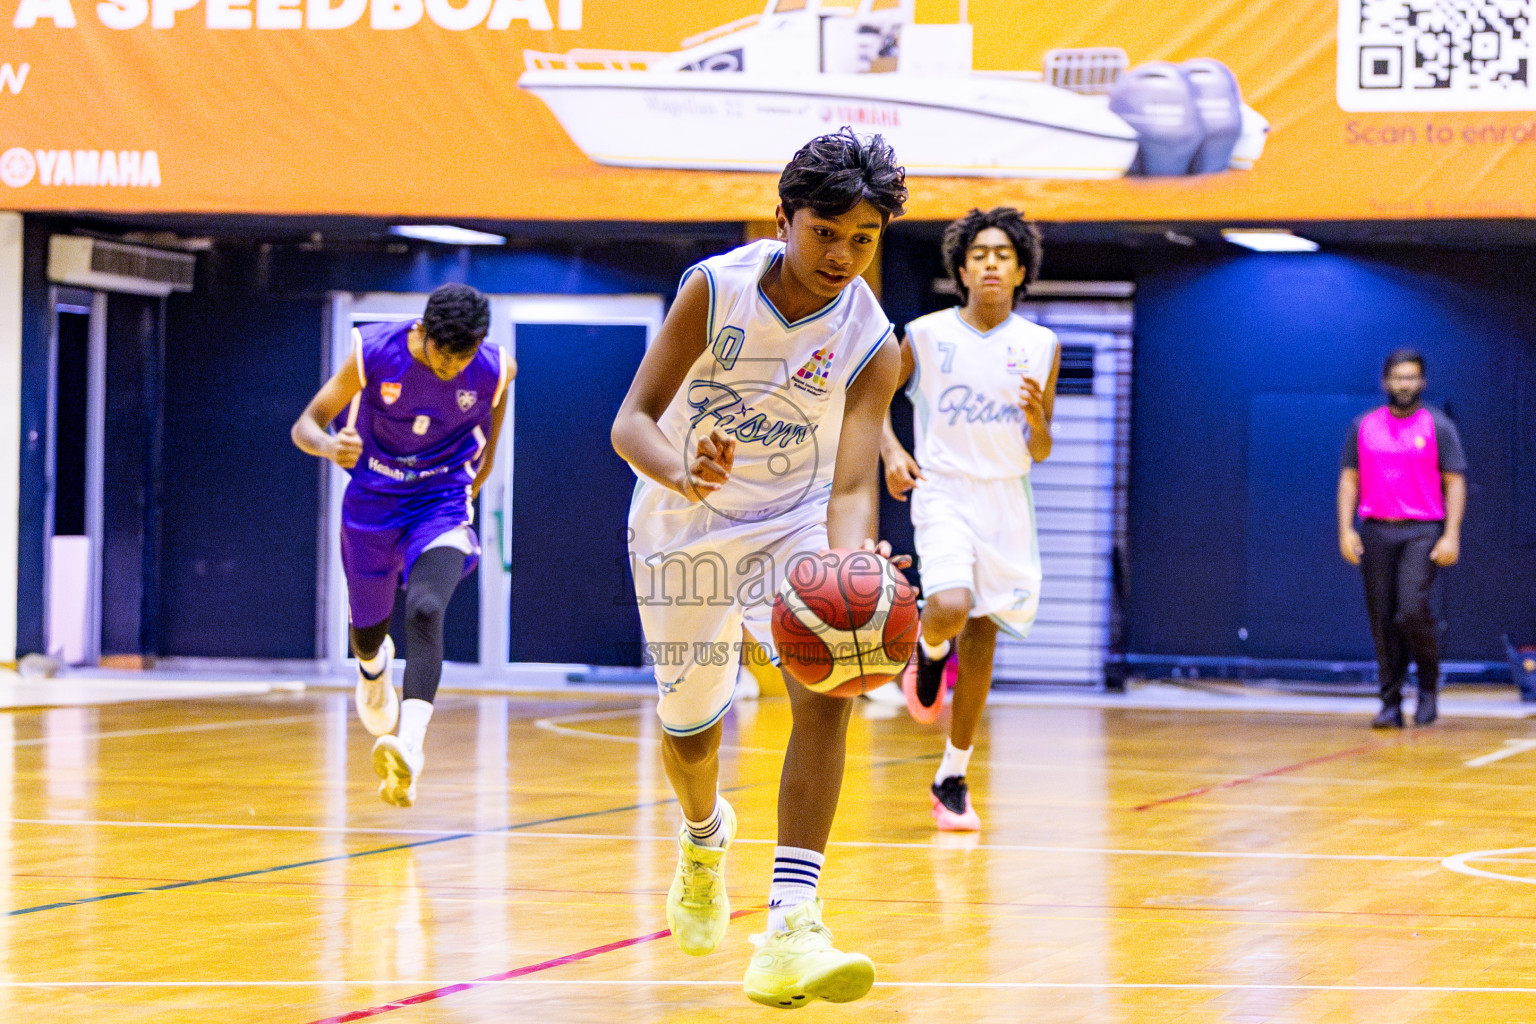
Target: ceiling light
point(1268, 240)
point(447, 234)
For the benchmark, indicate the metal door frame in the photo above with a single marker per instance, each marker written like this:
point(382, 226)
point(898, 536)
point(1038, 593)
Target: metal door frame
point(66, 299)
point(496, 525)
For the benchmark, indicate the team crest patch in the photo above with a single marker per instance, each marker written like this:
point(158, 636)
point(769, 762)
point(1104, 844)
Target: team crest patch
point(390, 391)
point(1018, 359)
point(467, 400)
point(812, 376)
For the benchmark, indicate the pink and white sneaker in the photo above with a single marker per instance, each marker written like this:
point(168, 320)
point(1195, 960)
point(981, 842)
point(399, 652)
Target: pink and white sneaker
point(922, 683)
point(952, 810)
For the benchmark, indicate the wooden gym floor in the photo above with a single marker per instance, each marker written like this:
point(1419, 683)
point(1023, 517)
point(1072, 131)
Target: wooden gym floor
point(228, 860)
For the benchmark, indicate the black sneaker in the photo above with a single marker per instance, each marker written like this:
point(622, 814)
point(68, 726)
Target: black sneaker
point(1389, 717)
point(923, 685)
point(1428, 708)
point(952, 806)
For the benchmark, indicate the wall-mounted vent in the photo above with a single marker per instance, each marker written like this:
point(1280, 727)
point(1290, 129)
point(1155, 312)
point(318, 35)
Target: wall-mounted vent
point(118, 267)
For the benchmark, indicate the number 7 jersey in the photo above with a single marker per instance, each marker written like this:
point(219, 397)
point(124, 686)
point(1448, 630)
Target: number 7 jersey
point(964, 389)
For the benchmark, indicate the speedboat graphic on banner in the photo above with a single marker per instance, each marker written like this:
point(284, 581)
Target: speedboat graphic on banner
point(746, 95)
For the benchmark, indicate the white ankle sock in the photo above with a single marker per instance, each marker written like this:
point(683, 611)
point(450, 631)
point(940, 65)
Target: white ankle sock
point(955, 762)
point(795, 874)
point(414, 716)
point(935, 651)
point(710, 831)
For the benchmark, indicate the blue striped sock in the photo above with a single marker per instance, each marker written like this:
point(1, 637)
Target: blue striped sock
point(710, 831)
point(795, 874)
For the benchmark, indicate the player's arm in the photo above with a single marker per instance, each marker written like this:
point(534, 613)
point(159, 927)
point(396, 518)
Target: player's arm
point(1448, 548)
point(488, 459)
point(1039, 405)
point(637, 437)
point(853, 514)
point(1350, 545)
point(901, 470)
point(309, 431)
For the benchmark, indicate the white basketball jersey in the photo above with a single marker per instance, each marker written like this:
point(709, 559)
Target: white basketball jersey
point(965, 392)
point(775, 387)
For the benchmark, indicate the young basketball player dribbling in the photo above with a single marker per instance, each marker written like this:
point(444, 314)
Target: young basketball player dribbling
point(983, 385)
point(754, 425)
point(422, 403)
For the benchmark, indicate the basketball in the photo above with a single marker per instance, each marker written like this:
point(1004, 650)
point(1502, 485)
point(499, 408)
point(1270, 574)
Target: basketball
point(844, 622)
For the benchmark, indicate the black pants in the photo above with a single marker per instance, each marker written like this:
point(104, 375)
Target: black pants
point(1398, 578)
point(433, 579)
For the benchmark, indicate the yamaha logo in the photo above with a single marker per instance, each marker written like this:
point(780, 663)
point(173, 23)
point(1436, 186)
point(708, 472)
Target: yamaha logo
point(131, 168)
point(17, 167)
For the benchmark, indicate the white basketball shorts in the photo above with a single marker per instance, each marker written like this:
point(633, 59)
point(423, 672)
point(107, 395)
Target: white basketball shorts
point(700, 578)
point(980, 535)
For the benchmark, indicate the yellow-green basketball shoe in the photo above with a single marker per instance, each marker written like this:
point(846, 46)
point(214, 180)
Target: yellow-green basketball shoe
point(792, 968)
point(698, 908)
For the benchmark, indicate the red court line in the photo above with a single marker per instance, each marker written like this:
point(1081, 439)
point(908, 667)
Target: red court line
point(1336, 755)
point(465, 986)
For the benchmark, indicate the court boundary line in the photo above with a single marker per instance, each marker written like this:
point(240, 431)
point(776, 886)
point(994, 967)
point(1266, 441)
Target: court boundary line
point(554, 724)
point(37, 741)
point(397, 847)
point(1231, 783)
point(517, 972)
point(524, 982)
point(506, 833)
point(1457, 862)
point(355, 855)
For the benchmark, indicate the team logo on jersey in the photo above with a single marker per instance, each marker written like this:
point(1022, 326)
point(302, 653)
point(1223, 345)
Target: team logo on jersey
point(1018, 360)
point(421, 425)
point(390, 391)
point(812, 376)
point(467, 400)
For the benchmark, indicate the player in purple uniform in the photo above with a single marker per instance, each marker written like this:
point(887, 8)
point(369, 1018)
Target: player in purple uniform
point(418, 409)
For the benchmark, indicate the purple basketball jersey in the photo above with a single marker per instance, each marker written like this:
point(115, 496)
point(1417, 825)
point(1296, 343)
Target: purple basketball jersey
point(422, 442)
point(420, 433)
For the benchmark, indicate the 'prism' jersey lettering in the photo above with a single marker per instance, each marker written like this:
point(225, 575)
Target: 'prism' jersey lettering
point(776, 388)
point(965, 393)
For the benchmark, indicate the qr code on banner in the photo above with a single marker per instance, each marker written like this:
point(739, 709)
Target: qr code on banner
point(1435, 55)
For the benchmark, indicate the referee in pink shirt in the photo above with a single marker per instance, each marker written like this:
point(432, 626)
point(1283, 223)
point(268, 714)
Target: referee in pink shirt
point(1402, 470)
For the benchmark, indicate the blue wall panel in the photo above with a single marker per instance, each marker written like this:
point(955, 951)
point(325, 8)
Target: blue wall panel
point(1218, 340)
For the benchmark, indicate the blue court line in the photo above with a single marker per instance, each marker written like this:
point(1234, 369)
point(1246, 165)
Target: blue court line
point(170, 886)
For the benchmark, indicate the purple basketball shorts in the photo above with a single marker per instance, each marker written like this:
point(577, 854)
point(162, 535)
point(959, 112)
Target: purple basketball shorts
point(382, 535)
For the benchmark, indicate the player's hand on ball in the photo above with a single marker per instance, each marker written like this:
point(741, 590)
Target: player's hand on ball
point(1032, 403)
point(711, 466)
point(901, 473)
point(346, 447)
point(883, 549)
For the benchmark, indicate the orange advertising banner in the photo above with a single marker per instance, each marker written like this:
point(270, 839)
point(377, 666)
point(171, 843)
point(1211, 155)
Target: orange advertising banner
point(633, 110)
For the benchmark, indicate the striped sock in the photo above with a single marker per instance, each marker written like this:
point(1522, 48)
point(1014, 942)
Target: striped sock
point(795, 874)
point(710, 831)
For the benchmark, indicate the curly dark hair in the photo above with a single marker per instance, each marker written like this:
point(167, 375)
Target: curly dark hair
point(834, 173)
point(457, 318)
point(1024, 235)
